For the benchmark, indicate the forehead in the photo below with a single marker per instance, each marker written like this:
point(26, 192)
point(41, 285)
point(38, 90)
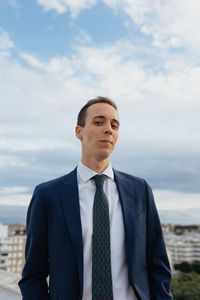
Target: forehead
point(103, 109)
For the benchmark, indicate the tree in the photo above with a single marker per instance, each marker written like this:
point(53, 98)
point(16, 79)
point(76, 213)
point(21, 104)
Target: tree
point(196, 266)
point(186, 267)
point(186, 287)
point(183, 267)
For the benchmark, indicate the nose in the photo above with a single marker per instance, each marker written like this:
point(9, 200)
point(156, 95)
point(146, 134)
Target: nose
point(108, 129)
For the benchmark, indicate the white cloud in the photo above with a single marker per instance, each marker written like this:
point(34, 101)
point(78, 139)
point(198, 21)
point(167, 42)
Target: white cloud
point(158, 101)
point(13, 3)
point(16, 195)
point(159, 111)
point(170, 200)
point(61, 6)
point(10, 160)
point(19, 200)
point(170, 23)
point(13, 190)
point(5, 42)
point(83, 38)
point(15, 146)
point(136, 9)
point(115, 71)
point(55, 65)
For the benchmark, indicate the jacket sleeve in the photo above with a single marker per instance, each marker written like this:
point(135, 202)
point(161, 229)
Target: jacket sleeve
point(33, 283)
point(157, 261)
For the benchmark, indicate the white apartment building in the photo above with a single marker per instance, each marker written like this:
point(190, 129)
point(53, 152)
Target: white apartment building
point(185, 247)
point(12, 250)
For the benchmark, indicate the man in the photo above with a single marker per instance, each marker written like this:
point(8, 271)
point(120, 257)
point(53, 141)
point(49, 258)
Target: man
point(96, 236)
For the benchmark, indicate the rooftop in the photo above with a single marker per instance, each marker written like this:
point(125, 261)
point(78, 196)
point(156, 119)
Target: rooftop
point(8, 295)
point(9, 285)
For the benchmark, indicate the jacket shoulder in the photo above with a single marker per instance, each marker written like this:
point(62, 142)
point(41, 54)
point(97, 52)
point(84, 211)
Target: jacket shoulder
point(131, 178)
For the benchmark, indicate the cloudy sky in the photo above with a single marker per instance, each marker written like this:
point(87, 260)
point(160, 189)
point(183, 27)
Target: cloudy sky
point(144, 54)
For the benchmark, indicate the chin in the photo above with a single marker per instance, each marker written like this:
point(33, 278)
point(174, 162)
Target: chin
point(104, 155)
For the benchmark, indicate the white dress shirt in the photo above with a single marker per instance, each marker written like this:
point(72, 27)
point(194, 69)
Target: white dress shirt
point(122, 290)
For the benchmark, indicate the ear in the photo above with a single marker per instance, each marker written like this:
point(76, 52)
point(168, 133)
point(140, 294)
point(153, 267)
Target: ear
point(78, 131)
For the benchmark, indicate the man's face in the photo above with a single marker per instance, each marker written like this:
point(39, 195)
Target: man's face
point(100, 133)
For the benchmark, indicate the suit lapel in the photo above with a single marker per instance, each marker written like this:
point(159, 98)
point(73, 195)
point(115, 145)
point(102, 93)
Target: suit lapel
point(126, 196)
point(70, 202)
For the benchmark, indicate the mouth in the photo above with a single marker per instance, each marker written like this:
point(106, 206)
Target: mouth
point(106, 141)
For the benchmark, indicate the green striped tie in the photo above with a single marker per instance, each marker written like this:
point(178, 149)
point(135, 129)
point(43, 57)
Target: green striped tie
point(101, 260)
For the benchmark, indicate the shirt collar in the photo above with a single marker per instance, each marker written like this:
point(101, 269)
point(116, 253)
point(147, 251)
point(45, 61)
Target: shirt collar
point(87, 173)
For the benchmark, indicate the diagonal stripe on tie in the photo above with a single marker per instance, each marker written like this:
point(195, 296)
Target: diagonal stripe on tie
point(101, 259)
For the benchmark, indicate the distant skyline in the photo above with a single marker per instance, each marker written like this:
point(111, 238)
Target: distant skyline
point(56, 55)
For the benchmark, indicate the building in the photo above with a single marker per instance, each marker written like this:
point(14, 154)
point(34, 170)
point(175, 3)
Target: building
point(3, 230)
point(16, 230)
point(12, 248)
point(184, 247)
point(182, 229)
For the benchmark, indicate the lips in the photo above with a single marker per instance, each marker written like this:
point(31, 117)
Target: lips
point(106, 141)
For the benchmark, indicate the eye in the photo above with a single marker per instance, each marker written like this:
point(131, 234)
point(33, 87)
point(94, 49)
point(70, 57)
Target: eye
point(114, 126)
point(98, 122)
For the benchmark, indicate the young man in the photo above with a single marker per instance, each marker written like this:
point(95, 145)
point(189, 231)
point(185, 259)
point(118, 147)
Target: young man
point(95, 231)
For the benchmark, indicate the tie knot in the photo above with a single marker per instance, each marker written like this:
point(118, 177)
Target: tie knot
point(99, 180)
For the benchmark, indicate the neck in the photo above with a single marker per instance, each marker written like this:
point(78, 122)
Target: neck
point(97, 166)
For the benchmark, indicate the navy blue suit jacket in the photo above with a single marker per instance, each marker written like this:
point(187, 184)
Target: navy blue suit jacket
point(54, 241)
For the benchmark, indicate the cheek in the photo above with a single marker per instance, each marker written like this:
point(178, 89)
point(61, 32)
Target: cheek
point(88, 139)
point(116, 137)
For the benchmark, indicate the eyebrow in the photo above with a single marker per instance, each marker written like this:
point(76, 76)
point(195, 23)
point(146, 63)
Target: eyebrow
point(103, 117)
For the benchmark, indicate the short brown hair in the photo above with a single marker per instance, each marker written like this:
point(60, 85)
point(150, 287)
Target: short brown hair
point(83, 111)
